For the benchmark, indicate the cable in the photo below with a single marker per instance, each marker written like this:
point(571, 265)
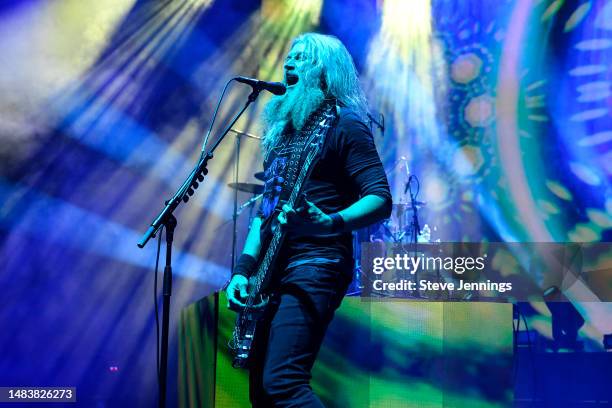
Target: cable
point(194, 173)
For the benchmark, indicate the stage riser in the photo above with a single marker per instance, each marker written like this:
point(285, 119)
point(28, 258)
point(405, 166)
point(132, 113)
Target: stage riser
point(375, 354)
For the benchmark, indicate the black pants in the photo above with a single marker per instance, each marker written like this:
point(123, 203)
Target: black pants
point(288, 338)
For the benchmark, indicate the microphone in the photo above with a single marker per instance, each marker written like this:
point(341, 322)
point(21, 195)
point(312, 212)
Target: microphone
point(277, 88)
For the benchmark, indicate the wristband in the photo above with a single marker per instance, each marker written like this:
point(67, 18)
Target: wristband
point(245, 266)
point(337, 222)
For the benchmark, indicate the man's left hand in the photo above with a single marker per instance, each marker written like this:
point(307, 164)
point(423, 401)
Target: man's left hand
point(309, 220)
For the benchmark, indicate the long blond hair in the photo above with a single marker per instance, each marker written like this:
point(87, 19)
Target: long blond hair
point(338, 76)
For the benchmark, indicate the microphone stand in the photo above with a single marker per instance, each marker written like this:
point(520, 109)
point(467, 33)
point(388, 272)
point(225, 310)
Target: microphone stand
point(168, 220)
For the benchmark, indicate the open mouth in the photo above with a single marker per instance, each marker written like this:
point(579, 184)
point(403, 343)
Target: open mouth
point(291, 79)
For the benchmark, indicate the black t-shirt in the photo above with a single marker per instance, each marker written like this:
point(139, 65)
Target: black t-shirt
point(348, 169)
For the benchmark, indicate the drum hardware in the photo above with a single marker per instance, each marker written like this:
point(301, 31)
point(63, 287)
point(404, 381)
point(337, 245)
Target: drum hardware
point(247, 187)
point(240, 133)
point(235, 213)
point(249, 203)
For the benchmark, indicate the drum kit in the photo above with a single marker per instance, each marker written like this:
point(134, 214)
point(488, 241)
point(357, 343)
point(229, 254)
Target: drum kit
point(402, 229)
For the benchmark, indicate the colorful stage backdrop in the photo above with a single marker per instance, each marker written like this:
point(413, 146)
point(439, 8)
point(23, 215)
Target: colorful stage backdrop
point(376, 354)
point(501, 108)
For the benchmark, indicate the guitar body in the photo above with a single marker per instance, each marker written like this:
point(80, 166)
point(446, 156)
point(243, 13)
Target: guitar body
point(257, 299)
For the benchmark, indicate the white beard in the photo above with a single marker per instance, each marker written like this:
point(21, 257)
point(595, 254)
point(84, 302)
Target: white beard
point(293, 109)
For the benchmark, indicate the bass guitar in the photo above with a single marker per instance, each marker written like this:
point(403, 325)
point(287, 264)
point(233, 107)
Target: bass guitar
point(246, 321)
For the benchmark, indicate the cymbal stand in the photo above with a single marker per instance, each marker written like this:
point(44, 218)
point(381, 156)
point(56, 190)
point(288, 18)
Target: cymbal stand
point(413, 186)
point(237, 211)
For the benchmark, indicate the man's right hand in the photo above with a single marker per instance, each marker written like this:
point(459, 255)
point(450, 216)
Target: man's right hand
point(237, 292)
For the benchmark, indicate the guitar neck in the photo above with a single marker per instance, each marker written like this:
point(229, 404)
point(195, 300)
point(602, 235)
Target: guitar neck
point(278, 236)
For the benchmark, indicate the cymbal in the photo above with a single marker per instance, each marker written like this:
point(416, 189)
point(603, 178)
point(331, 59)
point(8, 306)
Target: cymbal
point(241, 133)
point(247, 187)
point(260, 175)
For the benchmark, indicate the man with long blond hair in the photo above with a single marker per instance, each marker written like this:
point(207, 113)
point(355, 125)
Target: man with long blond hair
point(346, 190)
